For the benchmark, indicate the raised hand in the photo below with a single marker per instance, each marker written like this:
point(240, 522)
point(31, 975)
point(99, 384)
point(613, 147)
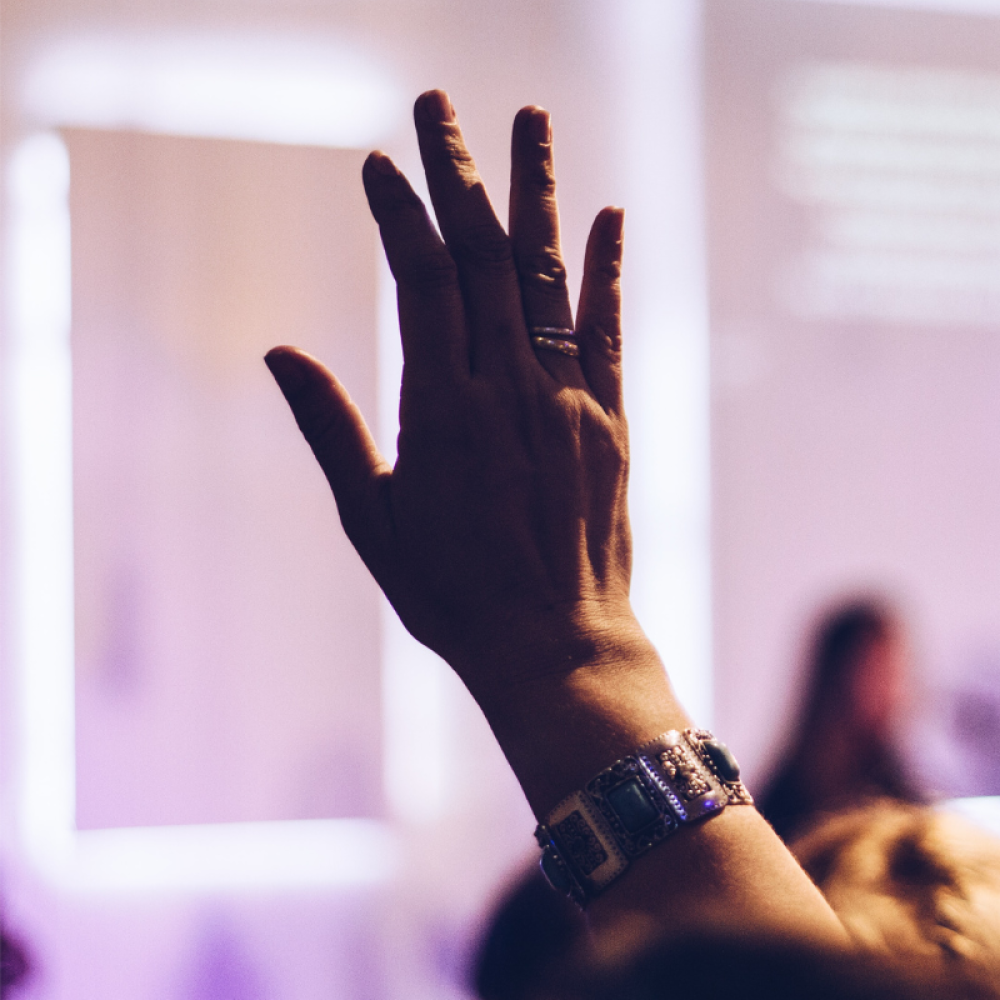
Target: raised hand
point(501, 535)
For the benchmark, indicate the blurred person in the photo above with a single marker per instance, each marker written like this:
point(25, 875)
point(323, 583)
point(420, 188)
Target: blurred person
point(910, 880)
point(843, 748)
point(15, 967)
point(530, 931)
point(746, 966)
point(918, 890)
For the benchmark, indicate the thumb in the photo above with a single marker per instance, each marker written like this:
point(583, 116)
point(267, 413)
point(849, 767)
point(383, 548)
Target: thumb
point(339, 437)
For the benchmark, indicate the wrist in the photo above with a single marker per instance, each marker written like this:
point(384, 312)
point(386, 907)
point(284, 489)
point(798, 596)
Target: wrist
point(593, 836)
point(571, 706)
point(519, 655)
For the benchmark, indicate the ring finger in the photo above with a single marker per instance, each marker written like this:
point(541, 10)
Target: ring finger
point(534, 234)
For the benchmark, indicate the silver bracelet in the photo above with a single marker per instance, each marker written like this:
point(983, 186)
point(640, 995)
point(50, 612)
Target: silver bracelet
point(593, 835)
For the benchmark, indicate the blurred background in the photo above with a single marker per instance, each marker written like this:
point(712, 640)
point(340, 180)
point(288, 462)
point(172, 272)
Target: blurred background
point(225, 770)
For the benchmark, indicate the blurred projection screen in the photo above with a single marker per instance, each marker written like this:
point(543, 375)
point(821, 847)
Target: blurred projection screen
point(227, 636)
point(853, 177)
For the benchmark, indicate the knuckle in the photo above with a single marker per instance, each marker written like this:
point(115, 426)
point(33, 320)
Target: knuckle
point(607, 440)
point(604, 339)
point(453, 149)
point(426, 271)
point(398, 198)
point(545, 267)
point(542, 178)
point(484, 247)
point(322, 428)
point(448, 152)
point(610, 271)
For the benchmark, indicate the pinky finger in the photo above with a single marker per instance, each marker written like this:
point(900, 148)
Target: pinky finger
point(598, 324)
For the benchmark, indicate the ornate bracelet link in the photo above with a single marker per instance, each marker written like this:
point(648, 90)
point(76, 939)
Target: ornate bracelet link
point(592, 836)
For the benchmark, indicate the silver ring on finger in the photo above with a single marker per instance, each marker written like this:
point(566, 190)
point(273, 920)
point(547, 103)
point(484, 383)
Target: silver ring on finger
point(561, 344)
point(555, 338)
point(559, 332)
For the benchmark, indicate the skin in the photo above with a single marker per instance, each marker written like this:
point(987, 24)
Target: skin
point(501, 536)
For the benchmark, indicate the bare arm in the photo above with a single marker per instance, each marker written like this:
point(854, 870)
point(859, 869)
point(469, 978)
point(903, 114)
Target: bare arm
point(501, 535)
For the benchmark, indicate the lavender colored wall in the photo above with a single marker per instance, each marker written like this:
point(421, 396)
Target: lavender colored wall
point(853, 174)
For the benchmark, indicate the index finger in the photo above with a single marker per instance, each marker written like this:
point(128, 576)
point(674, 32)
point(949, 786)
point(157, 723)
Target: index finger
point(431, 316)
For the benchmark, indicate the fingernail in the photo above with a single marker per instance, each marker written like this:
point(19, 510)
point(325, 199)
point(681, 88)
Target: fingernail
point(618, 226)
point(286, 370)
point(435, 107)
point(381, 164)
point(540, 126)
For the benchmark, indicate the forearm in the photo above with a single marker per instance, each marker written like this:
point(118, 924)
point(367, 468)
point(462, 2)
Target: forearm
point(562, 728)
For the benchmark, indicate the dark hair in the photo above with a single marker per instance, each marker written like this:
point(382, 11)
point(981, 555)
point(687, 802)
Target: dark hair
point(791, 798)
point(724, 967)
point(840, 639)
point(532, 929)
point(15, 969)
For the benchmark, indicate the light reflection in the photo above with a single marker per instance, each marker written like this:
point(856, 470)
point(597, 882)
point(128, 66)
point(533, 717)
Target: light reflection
point(39, 393)
point(270, 89)
point(918, 231)
point(982, 810)
point(857, 97)
point(898, 170)
point(909, 155)
point(897, 191)
point(303, 854)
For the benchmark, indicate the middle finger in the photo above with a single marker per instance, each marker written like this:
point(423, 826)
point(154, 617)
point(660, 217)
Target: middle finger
point(475, 239)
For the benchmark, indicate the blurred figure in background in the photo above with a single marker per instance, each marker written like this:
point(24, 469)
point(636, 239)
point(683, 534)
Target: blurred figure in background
point(15, 969)
point(532, 932)
point(917, 888)
point(843, 750)
point(915, 881)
